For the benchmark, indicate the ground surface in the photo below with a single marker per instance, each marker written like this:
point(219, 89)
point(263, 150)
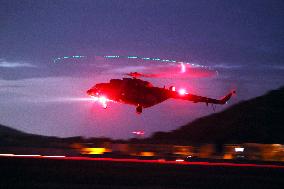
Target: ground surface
point(39, 172)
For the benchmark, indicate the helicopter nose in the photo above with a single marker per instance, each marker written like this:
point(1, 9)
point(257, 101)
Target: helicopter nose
point(91, 92)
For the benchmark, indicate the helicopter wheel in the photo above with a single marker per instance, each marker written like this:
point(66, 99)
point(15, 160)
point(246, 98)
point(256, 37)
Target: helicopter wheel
point(139, 109)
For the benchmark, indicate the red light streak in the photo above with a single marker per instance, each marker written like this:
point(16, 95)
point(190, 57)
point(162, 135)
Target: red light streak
point(183, 68)
point(53, 156)
point(178, 161)
point(138, 132)
point(27, 155)
point(9, 155)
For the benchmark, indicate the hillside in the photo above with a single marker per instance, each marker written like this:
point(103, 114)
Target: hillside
point(257, 120)
point(7, 131)
point(13, 137)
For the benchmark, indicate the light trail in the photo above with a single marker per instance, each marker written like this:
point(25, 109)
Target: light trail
point(165, 66)
point(67, 99)
point(55, 60)
point(159, 161)
point(182, 63)
point(7, 155)
point(26, 155)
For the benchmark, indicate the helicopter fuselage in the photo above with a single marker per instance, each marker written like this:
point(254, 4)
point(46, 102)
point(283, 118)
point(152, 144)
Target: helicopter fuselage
point(131, 91)
point(143, 94)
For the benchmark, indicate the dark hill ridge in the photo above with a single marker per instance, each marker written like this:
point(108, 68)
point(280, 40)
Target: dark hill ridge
point(7, 131)
point(257, 120)
point(13, 137)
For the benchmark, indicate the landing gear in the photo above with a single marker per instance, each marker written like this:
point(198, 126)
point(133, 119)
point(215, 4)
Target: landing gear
point(139, 109)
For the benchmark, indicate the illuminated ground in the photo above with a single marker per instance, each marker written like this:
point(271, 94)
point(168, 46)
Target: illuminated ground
point(46, 172)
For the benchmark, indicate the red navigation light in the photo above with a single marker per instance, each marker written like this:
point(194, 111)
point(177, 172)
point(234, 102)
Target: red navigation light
point(138, 133)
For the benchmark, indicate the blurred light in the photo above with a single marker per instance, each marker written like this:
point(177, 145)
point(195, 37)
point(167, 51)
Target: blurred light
point(147, 154)
point(53, 156)
point(183, 68)
point(94, 151)
point(182, 92)
point(138, 132)
point(179, 160)
point(228, 156)
point(238, 149)
point(7, 155)
point(27, 155)
point(102, 99)
point(276, 145)
point(112, 56)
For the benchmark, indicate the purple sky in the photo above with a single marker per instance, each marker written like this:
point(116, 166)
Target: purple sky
point(243, 40)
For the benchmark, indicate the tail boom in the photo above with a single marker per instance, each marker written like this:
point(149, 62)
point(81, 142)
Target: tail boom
point(196, 98)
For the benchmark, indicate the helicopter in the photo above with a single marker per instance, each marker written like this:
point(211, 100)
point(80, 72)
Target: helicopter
point(143, 94)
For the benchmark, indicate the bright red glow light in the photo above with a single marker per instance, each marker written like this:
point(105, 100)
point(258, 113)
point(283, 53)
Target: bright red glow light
point(138, 132)
point(182, 92)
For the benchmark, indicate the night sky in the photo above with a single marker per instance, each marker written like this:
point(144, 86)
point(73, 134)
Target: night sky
point(242, 40)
